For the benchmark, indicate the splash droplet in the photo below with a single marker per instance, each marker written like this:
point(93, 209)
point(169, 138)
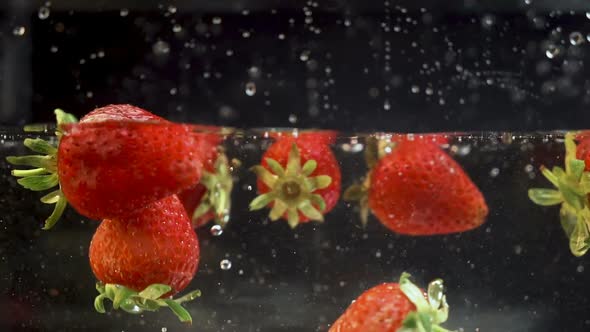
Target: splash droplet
point(43, 12)
point(250, 89)
point(216, 230)
point(225, 264)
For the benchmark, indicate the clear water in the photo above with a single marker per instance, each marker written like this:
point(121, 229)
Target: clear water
point(514, 273)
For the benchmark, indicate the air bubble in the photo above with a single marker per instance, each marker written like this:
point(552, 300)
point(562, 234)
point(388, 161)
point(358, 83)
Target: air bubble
point(225, 264)
point(576, 38)
point(43, 13)
point(250, 89)
point(216, 230)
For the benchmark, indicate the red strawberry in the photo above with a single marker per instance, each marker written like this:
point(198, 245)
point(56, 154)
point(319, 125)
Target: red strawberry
point(211, 197)
point(154, 248)
point(394, 307)
point(118, 159)
point(419, 190)
point(299, 177)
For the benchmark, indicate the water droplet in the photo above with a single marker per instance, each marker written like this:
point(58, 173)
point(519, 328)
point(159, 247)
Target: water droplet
point(246, 34)
point(161, 48)
point(304, 56)
point(164, 329)
point(171, 9)
point(494, 172)
point(254, 72)
point(293, 118)
point(552, 51)
point(386, 105)
point(173, 91)
point(588, 15)
point(216, 20)
point(487, 21)
point(124, 12)
point(415, 89)
point(429, 91)
point(19, 31)
point(518, 249)
point(100, 54)
point(176, 28)
point(528, 2)
point(216, 230)
point(44, 12)
point(281, 36)
point(580, 268)
point(576, 38)
point(53, 49)
point(250, 89)
point(225, 264)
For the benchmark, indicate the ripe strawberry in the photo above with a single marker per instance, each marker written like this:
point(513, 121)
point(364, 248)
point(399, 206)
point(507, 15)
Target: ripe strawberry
point(396, 307)
point(572, 190)
point(154, 248)
point(418, 189)
point(211, 197)
point(118, 159)
point(299, 177)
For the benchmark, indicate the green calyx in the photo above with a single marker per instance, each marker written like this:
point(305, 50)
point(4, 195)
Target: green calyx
point(147, 300)
point(572, 189)
point(375, 149)
point(219, 186)
point(431, 311)
point(291, 189)
point(43, 174)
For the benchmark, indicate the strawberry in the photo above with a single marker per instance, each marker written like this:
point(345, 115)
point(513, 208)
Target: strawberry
point(396, 307)
point(145, 257)
point(211, 197)
point(418, 189)
point(572, 187)
point(299, 177)
point(118, 159)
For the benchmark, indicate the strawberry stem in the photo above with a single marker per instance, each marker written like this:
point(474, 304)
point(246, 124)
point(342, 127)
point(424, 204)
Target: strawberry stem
point(291, 189)
point(431, 310)
point(572, 189)
point(217, 198)
point(44, 174)
point(148, 299)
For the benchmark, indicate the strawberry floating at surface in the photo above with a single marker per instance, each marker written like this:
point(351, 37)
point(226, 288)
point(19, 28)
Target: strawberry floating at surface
point(396, 307)
point(210, 198)
point(417, 189)
point(119, 158)
point(572, 187)
point(144, 258)
point(299, 177)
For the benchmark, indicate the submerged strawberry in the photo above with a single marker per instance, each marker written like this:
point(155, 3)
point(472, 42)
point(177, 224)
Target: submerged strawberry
point(210, 198)
point(146, 257)
point(572, 187)
point(418, 189)
point(118, 159)
point(299, 177)
point(396, 307)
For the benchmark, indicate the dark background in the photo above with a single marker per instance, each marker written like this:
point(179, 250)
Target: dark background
point(475, 65)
